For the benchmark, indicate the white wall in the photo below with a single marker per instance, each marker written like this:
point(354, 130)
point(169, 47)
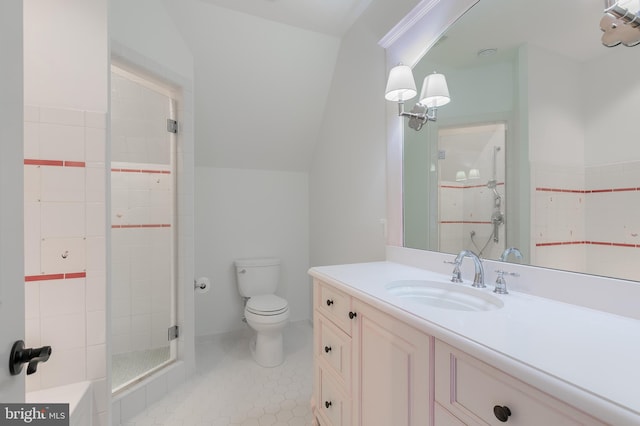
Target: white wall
point(585, 167)
point(262, 87)
point(58, 33)
point(146, 27)
point(348, 173)
point(555, 109)
point(249, 213)
point(65, 87)
point(11, 217)
point(611, 100)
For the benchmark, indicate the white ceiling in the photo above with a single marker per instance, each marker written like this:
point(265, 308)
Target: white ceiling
point(333, 17)
point(568, 27)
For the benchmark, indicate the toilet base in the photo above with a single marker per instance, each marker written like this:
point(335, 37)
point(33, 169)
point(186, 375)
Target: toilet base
point(267, 349)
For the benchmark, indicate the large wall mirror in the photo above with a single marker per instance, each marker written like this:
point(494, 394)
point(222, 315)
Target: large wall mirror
point(537, 148)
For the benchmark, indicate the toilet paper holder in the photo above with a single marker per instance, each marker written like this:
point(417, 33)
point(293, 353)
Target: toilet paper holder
point(201, 285)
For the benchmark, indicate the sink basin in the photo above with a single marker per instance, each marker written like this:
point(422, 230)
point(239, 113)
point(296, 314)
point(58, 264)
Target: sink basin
point(444, 295)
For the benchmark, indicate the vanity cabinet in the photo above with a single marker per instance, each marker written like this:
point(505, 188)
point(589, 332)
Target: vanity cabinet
point(370, 368)
point(478, 394)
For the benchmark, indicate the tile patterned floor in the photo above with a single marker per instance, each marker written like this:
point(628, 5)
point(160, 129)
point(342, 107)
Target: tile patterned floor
point(231, 389)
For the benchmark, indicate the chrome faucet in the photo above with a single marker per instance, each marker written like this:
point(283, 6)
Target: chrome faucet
point(508, 251)
point(478, 279)
point(501, 283)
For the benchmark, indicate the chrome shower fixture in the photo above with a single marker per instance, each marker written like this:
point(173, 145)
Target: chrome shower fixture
point(619, 24)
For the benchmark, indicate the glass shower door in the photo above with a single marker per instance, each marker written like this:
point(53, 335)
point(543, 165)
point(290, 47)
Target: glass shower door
point(142, 227)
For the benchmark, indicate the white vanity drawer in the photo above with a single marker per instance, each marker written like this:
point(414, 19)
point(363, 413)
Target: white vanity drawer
point(470, 389)
point(442, 417)
point(334, 347)
point(334, 304)
point(333, 404)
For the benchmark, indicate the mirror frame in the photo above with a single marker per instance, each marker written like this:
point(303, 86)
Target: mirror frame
point(407, 43)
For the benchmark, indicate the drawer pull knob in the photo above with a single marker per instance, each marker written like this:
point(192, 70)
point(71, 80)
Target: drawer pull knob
point(352, 315)
point(329, 302)
point(327, 349)
point(502, 413)
point(327, 404)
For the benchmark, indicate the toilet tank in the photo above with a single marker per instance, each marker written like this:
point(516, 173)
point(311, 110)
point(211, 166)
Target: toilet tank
point(257, 276)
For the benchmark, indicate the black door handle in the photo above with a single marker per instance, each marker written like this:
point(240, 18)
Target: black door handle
point(32, 356)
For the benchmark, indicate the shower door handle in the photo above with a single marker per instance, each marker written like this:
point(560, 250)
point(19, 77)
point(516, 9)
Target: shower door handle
point(21, 355)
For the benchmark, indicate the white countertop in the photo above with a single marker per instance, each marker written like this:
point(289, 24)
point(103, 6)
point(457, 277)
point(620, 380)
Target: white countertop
point(588, 358)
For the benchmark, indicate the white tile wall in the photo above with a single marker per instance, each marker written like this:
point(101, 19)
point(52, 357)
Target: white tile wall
point(468, 202)
point(604, 217)
point(141, 288)
point(64, 205)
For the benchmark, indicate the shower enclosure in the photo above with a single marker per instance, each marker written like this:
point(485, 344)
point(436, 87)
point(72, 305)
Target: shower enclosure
point(143, 295)
point(472, 189)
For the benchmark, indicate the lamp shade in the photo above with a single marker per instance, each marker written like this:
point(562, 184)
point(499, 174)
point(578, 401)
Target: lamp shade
point(401, 86)
point(474, 174)
point(435, 92)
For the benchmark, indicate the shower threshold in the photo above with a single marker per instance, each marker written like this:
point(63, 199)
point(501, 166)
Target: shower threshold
point(132, 367)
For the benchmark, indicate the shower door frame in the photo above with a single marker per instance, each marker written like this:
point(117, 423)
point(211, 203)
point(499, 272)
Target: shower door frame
point(155, 84)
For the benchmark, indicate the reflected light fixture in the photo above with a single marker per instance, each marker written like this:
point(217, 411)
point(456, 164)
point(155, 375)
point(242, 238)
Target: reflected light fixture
point(402, 87)
point(474, 174)
point(461, 176)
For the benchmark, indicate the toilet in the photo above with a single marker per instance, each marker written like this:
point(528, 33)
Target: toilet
point(266, 313)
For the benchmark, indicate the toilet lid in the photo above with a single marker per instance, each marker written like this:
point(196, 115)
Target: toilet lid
point(268, 304)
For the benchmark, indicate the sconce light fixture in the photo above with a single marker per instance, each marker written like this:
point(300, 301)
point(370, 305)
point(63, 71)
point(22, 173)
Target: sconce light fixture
point(402, 87)
point(620, 23)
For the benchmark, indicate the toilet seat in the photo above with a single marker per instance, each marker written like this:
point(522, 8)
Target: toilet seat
point(267, 305)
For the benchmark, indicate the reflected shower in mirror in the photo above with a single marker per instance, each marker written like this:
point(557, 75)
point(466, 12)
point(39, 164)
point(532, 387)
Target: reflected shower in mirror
point(570, 190)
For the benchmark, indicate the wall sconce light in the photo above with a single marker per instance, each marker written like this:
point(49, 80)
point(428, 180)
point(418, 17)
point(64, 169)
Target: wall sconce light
point(461, 176)
point(401, 87)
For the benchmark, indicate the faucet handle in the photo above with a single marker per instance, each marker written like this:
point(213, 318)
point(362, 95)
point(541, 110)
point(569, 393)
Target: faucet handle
point(501, 273)
point(456, 275)
point(501, 283)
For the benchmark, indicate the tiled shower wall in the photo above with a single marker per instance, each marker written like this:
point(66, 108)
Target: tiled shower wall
point(65, 259)
point(142, 257)
point(594, 218)
point(142, 214)
point(464, 208)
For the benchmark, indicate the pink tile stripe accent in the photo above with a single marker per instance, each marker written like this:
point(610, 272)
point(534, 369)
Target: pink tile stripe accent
point(587, 191)
point(597, 243)
point(475, 222)
point(57, 163)
point(163, 172)
point(151, 225)
point(468, 186)
point(61, 276)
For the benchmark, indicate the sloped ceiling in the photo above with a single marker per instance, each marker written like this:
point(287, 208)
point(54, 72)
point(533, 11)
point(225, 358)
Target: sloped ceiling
point(333, 17)
point(260, 86)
